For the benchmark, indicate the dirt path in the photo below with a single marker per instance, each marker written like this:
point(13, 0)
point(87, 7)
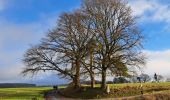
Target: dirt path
point(54, 95)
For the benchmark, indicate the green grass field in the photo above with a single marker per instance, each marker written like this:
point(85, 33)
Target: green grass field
point(23, 93)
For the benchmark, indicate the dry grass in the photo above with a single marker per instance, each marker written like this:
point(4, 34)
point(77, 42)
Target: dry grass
point(120, 90)
point(154, 96)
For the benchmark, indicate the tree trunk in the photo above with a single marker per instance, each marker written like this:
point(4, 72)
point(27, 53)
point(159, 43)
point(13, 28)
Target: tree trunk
point(103, 85)
point(91, 69)
point(92, 80)
point(77, 76)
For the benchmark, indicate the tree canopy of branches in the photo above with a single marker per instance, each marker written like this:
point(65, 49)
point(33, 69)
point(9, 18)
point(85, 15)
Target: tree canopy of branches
point(63, 49)
point(117, 35)
point(99, 38)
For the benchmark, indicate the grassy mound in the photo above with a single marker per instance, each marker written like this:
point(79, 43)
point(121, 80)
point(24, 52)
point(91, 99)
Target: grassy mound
point(83, 92)
point(116, 90)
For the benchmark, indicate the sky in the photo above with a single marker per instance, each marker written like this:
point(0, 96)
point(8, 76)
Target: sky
point(24, 22)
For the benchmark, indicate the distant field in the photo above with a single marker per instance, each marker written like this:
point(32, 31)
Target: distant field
point(23, 93)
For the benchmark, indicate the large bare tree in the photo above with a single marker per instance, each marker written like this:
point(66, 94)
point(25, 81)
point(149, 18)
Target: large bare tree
point(101, 37)
point(117, 35)
point(69, 43)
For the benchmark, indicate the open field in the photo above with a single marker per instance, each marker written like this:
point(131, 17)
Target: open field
point(23, 93)
point(119, 90)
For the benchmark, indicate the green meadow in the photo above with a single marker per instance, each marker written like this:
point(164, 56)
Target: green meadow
point(36, 93)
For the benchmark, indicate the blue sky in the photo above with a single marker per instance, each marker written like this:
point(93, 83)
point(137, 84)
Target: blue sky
point(26, 11)
point(25, 22)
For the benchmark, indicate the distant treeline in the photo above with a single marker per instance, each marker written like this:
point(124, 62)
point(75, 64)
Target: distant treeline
point(16, 85)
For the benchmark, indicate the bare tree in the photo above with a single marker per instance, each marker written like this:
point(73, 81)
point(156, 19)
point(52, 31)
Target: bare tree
point(118, 37)
point(38, 59)
point(159, 78)
point(101, 37)
point(145, 77)
point(120, 69)
point(68, 40)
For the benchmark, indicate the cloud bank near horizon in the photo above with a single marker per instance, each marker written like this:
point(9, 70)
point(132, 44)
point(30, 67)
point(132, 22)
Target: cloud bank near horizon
point(158, 62)
point(15, 39)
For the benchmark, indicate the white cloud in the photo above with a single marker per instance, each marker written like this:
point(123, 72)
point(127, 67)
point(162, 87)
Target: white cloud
point(151, 10)
point(11, 74)
point(24, 34)
point(139, 7)
point(14, 40)
point(158, 62)
point(162, 13)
